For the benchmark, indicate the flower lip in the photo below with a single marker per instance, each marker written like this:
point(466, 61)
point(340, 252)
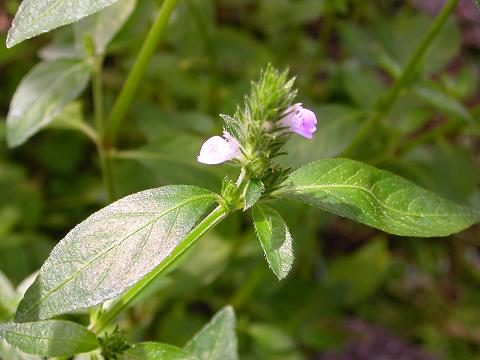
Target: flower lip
point(300, 120)
point(217, 150)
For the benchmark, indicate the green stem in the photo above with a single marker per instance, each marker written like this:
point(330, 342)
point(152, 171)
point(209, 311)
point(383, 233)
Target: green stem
point(127, 299)
point(137, 73)
point(384, 107)
point(97, 89)
point(107, 174)
point(105, 160)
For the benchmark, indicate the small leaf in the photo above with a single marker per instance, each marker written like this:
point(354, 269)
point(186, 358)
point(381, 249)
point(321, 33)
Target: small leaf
point(102, 26)
point(216, 340)
point(42, 95)
point(155, 351)
point(253, 192)
point(275, 239)
point(49, 338)
point(113, 249)
point(36, 17)
point(376, 198)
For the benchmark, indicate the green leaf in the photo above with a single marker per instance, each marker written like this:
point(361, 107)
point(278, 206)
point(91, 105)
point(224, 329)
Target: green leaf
point(216, 340)
point(102, 26)
point(42, 95)
point(113, 249)
point(252, 193)
point(154, 351)
point(376, 198)
point(275, 239)
point(49, 338)
point(36, 17)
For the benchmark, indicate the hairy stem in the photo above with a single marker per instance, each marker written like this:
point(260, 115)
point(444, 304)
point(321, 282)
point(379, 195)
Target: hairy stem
point(137, 72)
point(384, 106)
point(107, 317)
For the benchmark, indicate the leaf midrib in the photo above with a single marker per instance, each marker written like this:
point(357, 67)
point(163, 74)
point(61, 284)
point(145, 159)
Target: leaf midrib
point(298, 189)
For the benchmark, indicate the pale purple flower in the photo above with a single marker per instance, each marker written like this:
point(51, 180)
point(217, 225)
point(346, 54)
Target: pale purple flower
point(217, 150)
point(300, 120)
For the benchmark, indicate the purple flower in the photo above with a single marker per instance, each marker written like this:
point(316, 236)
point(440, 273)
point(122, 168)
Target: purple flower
point(217, 150)
point(300, 120)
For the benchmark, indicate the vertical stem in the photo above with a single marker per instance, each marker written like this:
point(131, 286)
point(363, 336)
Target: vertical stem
point(135, 76)
point(384, 107)
point(105, 160)
point(127, 299)
point(97, 88)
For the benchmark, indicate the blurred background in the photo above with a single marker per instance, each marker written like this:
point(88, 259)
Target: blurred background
point(354, 293)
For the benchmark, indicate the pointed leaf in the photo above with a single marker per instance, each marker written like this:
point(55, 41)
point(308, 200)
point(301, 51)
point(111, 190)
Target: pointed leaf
point(36, 17)
point(376, 198)
point(253, 192)
point(216, 340)
point(102, 26)
point(154, 351)
point(49, 338)
point(275, 239)
point(42, 95)
point(113, 249)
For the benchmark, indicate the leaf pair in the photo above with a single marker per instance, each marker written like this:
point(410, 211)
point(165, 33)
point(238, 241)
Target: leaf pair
point(362, 193)
point(215, 341)
point(51, 85)
point(119, 245)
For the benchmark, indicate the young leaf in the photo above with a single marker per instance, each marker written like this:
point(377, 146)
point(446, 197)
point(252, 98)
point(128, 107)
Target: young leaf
point(42, 95)
point(376, 198)
point(49, 338)
point(103, 26)
point(275, 239)
point(113, 249)
point(253, 192)
point(36, 17)
point(216, 340)
point(154, 351)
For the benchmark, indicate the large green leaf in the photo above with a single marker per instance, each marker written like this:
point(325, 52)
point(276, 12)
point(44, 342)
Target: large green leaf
point(155, 351)
point(216, 340)
point(376, 198)
point(42, 95)
point(113, 249)
point(35, 17)
point(49, 338)
point(103, 26)
point(275, 239)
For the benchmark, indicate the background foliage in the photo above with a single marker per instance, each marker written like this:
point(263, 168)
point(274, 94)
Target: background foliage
point(354, 292)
